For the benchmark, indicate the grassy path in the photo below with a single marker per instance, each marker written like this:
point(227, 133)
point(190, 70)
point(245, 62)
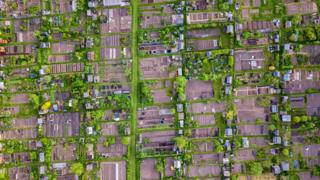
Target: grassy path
point(134, 90)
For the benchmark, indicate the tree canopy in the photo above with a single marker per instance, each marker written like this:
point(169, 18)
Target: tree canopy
point(181, 142)
point(255, 168)
point(77, 168)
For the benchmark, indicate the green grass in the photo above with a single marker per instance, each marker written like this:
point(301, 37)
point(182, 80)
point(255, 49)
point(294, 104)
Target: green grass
point(217, 86)
point(221, 123)
point(134, 99)
point(225, 40)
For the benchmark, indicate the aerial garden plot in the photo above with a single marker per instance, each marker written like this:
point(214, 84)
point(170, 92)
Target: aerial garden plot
point(159, 89)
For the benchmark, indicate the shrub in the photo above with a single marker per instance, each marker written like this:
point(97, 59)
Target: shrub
point(255, 168)
point(77, 168)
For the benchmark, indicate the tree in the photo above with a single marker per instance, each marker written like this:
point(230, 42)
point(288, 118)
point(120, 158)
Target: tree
point(304, 118)
point(310, 34)
point(13, 5)
point(109, 141)
point(47, 79)
point(97, 115)
point(302, 59)
point(296, 119)
point(181, 84)
point(125, 140)
point(230, 114)
point(77, 168)
point(238, 143)
point(34, 100)
point(310, 125)
point(272, 127)
point(234, 177)
point(146, 94)
point(187, 158)
point(188, 132)
point(263, 101)
point(3, 174)
point(224, 6)
point(261, 154)
point(255, 168)
point(246, 34)
point(37, 34)
point(218, 146)
point(46, 106)
point(293, 37)
point(296, 19)
point(230, 61)
point(293, 177)
point(159, 166)
point(46, 142)
point(181, 142)
point(33, 10)
point(316, 170)
point(285, 151)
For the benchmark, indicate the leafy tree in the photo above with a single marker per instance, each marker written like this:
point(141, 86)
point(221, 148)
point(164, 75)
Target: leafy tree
point(272, 127)
point(296, 119)
point(159, 166)
point(277, 59)
point(238, 142)
point(268, 79)
point(230, 60)
point(47, 142)
point(294, 177)
point(78, 86)
point(310, 34)
point(261, 154)
point(285, 151)
point(310, 125)
point(37, 34)
point(187, 158)
point(255, 168)
point(97, 115)
point(246, 35)
point(122, 128)
point(125, 140)
point(181, 84)
point(302, 59)
point(287, 61)
point(230, 114)
point(316, 170)
point(109, 141)
point(264, 101)
point(293, 37)
point(181, 142)
point(234, 177)
point(33, 10)
point(13, 5)
point(296, 19)
point(146, 94)
point(46, 106)
point(224, 6)
point(146, 140)
point(218, 146)
point(304, 118)
point(188, 132)
point(3, 174)
point(34, 100)
point(77, 168)
point(47, 79)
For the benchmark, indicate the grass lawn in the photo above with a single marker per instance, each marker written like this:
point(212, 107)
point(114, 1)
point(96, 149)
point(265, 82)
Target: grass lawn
point(217, 86)
point(134, 92)
point(221, 123)
point(225, 40)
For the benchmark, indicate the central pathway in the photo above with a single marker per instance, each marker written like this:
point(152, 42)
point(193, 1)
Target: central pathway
point(134, 90)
